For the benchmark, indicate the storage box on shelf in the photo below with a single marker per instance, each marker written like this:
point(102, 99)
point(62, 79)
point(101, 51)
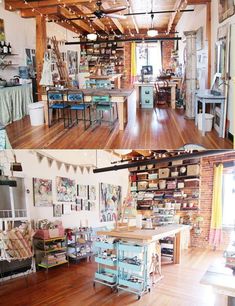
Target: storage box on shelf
point(167, 247)
point(133, 268)
point(50, 252)
point(176, 183)
point(106, 258)
point(79, 244)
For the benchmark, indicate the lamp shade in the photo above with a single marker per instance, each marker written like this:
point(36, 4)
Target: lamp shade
point(91, 36)
point(152, 33)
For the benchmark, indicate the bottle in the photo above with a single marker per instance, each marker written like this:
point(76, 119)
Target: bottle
point(9, 48)
point(1, 47)
point(5, 49)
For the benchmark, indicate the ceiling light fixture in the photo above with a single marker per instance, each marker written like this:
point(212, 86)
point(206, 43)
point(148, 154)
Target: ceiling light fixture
point(91, 36)
point(152, 32)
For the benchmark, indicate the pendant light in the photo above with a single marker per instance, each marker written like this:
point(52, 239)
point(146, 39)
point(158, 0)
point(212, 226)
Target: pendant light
point(91, 36)
point(152, 32)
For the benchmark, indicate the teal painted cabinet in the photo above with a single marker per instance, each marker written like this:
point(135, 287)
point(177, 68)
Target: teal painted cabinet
point(146, 93)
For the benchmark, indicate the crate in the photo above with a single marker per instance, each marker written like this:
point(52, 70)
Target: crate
point(193, 170)
point(164, 173)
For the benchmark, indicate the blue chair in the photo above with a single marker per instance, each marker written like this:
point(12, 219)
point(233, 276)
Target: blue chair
point(55, 102)
point(103, 104)
point(75, 99)
point(104, 84)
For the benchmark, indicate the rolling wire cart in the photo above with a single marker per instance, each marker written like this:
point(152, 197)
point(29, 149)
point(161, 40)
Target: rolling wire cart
point(106, 258)
point(133, 268)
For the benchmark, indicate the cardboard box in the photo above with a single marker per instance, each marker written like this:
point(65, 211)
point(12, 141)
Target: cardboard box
point(163, 173)
point(193, 170)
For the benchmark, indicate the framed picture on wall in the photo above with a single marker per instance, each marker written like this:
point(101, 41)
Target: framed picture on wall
point(82, 191)
point(73, 207)
point(226, 9)
point(57, 210)
point(110, 200)
point(86, 205)
point(66, 189)
point(2, 30)
point(91, 192)
point(66, 209)
point(78, 204)
point(42, 192)
point(199, 39)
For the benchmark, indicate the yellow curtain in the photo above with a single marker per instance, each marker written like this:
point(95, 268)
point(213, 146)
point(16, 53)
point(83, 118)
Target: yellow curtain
point(133, 61)
point(216, 217)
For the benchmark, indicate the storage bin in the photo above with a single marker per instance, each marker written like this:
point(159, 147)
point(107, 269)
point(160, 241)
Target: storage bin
point(153, 185)
point(150, 167)
point(153, 176)
point(193, 170)
point(177, 162)
point(142, 185)
point(49, 233)
point(142, 167)
point(162, 184)
point(163, 173)
point(36, 113)
point(133, 169)
point(180, 185)
point(171, 185)
point(175, 173)
point(208, 122)
point(191, 183)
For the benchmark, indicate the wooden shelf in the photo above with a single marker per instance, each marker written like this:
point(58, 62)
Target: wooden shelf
point(54, 265)
point(169, 178)
point(155, 169)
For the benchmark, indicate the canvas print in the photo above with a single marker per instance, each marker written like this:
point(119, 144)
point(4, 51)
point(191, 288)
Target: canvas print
point(92, 192)
point(42, 190)
point(57, 210)
point(82, 191)
point(2, 31)
point(110, 199)
point(66, 189)
point(226, 9)
point(72, 57)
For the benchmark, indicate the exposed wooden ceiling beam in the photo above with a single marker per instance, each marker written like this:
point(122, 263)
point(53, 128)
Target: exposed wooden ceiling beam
point(28, 13)
point(195, 2)
point(80, 23)
point(133, 17)
point(85, 10)
point(180, 4)
point(17, 5)
point(114, 20)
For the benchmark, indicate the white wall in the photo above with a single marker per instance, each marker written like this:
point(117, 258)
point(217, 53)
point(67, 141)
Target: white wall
point(21, 33)
point(32, 168)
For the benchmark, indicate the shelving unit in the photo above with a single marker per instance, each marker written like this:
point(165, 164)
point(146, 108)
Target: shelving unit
point(133, 268)
point(106, 273)
point(5, 65)
point(50, 252)
point(81, 245)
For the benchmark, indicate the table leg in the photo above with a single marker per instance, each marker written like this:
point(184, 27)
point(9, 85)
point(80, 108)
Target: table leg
point(137, 90)
point(46, 113)
point(177, 249)
point(121, 115)
point(222, 127)
point(173, 93)
point(203, 117)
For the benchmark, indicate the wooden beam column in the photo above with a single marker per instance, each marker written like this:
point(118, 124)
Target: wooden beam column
point(41, 40)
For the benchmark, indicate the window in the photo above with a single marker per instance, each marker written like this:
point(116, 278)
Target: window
point(149, 55)
point(228, 196)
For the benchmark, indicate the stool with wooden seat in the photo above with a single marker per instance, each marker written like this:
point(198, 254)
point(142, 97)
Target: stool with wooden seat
point(103, 104)
point(55, 102)
point(75, 99)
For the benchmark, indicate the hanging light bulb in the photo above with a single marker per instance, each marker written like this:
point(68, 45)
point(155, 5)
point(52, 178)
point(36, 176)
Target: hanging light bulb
point(91, 36)
point(152, 32)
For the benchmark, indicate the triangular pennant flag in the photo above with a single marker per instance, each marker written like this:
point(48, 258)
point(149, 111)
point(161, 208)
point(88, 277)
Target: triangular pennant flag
point(74, 168)
point(50, 161)
point(81, 168)
point(40, 157)
point(59, 164)
point(67, 167)
point(88, 168)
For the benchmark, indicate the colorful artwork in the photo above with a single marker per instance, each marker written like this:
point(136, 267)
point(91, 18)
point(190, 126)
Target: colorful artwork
point(92, 192)
point(66, 209)
point(57, 210)
point(42, 191)
point(110, 199)
point(2, 31)
point(226, 9)
point(72, 57)
point(66, 189)
point(83, 191)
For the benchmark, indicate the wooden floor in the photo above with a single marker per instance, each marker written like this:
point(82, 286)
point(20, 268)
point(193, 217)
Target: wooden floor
point(161, 128)
point(73, 286)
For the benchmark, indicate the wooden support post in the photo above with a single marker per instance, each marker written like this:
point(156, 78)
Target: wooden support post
point(41, 39)
point(177, 248)
point(208, 36)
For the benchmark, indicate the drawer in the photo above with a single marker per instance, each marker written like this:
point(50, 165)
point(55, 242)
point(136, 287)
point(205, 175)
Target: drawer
point(147, 103)
point(147, 91)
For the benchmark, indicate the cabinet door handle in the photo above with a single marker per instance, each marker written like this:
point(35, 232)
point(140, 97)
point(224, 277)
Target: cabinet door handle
point(147, 101)
point(147, 92)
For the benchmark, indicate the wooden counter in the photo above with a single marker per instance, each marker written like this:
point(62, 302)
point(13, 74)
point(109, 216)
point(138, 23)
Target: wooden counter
point(148, 236)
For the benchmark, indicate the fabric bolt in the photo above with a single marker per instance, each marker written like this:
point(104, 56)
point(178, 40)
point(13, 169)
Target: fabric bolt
point(215, 237)
point(14, 103)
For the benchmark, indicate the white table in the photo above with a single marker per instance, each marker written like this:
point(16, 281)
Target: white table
point(205, 97)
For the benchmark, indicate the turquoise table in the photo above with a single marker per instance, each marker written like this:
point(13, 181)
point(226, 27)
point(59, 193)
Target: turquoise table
point(14, 103)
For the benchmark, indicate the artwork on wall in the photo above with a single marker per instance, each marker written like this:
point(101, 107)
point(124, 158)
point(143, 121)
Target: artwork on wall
point(72, 57)
point(42, 192)
point(57, 210)
point(66, 209)
point(199, 39)
point(66, 189)
point(73, 207)
point(91, 192)
point(226, 9)
point(110, 199)
point(31, 59)
point(82, 191)
point(2, 31)
point(86, 205)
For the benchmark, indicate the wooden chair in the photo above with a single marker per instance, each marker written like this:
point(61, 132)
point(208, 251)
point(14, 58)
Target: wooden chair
point(75, 99)
point(55, 102)
point(103, 104)
point(162, 92)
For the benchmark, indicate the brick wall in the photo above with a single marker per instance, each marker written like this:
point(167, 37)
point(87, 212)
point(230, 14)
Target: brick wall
point(167, 48)
point(206, 191)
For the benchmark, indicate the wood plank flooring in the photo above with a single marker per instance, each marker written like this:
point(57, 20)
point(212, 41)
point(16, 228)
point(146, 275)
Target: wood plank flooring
point(73, 286)
point(161, 128)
